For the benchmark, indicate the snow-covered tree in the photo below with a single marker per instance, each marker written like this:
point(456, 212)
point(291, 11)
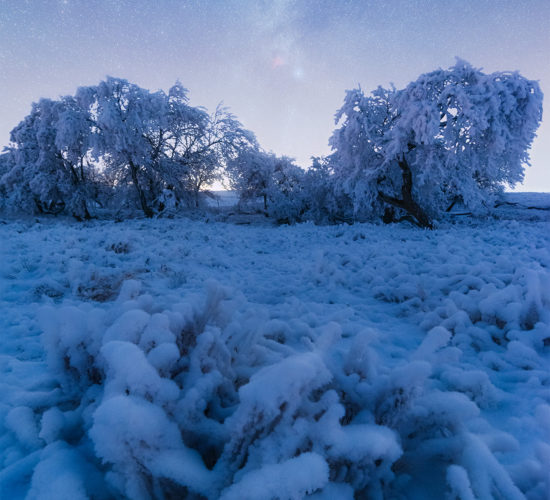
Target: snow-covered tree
point(276, 180)
point(201, 147)
point(153, 141)
point(130, 125)
point(73, 141)
point(285, 192)
point(250, 174)
point(117, 144)
point(324, 200)
point(49, 155)
point(185, 126)
point(456, 134)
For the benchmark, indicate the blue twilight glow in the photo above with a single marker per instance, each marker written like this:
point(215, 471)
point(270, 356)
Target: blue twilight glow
point(282, 66)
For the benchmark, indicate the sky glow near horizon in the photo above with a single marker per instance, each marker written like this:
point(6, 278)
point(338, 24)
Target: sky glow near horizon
point(281, 66)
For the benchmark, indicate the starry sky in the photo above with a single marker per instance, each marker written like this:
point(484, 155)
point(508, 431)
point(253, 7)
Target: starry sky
point(282, 66)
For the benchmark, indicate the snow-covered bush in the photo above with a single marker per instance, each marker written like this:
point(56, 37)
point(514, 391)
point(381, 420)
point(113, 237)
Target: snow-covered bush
point(456, 134)
point(285, 194)
point(7, 159)
point(250, 175)
point(200, 399)
point(207, 398)
point(324, 201)
point(277, 181)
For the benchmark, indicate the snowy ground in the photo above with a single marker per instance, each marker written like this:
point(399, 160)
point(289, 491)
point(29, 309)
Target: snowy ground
point(178, 358)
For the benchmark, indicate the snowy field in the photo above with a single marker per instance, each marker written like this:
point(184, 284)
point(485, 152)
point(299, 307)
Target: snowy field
point(176, 358)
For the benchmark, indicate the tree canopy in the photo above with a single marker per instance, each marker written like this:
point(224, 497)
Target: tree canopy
point(119, 144)
point(455, 135)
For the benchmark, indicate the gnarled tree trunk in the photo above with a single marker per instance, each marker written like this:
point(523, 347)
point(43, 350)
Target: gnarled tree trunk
point(407, 203)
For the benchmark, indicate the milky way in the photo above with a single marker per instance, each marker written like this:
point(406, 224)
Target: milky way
point(281, 66)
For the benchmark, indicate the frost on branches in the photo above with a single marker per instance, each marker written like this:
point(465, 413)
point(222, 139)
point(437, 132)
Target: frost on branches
point(49, 169)
point(274, 181)
point(452, 135)
point(116, 148)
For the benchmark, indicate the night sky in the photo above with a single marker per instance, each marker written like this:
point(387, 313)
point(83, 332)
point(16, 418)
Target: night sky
point(281, 66)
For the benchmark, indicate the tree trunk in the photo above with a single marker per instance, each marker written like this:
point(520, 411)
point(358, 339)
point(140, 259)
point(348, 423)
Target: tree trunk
point(143, 202)
point(87, 215)
point(407, 202)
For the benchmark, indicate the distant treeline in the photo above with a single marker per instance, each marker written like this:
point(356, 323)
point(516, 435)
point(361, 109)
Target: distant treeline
point(115, 149)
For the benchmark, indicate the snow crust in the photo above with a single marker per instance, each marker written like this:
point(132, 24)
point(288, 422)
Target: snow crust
point(185, 359)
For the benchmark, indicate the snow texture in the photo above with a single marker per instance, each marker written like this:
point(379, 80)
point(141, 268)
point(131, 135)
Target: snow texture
point(173, 358)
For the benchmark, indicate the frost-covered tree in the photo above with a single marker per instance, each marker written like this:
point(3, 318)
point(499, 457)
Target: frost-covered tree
point(276, 180)
point(151, 141)
point(285, 192)
point(73, 141)
point(456, 134)
point(201, 147)
point(250, 174)
point(324, 200)
point(185, 126)
point(117, 144)
point(49, 159)
point(130, 125)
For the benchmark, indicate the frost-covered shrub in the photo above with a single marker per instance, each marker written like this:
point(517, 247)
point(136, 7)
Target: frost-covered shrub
point(250, 174)
point(276, 181)
point(208, 398)
point(195, 399)
point(445, 400)
point(285, 193)
point(324, 202)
